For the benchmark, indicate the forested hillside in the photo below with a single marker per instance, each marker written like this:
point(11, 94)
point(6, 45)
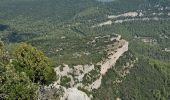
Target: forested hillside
point(74, 32)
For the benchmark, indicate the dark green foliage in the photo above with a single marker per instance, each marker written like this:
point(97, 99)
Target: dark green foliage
point(149, 78)
point(14, 37)
point(144, 82)
point(34, 63)
point(18, 82)
point(15, 85)
point(91, 77)
point(65, 81)
point(3, 27)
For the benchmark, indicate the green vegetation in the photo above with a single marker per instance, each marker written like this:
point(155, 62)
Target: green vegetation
point(21, 73)
point(34, 63)
point(149, 79)
point(65, 81)
point(63, 28)
point(91, 77)
point(144, 81)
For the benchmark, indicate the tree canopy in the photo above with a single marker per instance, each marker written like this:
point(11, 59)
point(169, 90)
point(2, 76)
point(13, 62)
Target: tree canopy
point(23, 71)
point(32, 61)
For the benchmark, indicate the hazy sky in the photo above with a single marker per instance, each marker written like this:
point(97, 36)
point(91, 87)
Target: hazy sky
point(105, 0)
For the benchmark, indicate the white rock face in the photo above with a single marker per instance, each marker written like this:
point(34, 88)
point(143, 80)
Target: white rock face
point(52, 91)
point(112, 16)
point(128, 14)
point(79, 73)
point(167, 50)
point(103, 24)
point(137, 19)
point(74, 94)
point(96, 84)
point(114, 57)
point(141, 14)
point(169, 14)
point(106, 23)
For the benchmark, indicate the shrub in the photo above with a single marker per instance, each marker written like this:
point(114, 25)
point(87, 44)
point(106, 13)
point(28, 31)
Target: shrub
point(34, 63)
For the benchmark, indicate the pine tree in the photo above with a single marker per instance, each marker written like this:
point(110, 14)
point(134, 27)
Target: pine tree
point(34, 63)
